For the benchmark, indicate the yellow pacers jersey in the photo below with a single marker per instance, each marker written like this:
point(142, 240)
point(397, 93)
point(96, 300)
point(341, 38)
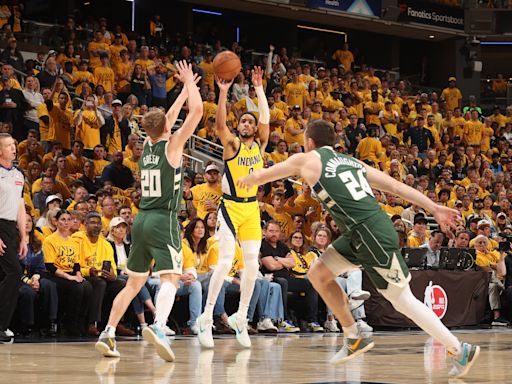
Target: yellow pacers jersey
point(246, 161)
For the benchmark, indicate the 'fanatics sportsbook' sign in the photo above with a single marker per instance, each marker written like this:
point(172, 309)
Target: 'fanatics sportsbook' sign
point(370, 8)
point(431, 14)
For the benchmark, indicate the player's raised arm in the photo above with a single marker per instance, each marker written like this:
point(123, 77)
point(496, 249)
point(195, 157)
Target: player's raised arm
point(174, 111)
point(446, 217)
point(290, 167)
point(195, 113)
point(226, 137)
point(263, 109)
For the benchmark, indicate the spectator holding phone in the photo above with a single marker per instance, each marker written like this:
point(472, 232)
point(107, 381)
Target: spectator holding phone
point(99, 269)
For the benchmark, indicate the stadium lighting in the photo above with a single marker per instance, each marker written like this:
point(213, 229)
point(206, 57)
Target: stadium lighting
point(323, 30)
point(496, 43)
point(431, 37)
point(237, 34)
point(206, 12)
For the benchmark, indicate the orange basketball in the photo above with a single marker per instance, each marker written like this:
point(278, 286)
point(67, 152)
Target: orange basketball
point(226, 65)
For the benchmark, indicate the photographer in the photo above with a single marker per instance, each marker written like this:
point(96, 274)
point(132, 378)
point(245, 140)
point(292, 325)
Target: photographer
point(492, 261)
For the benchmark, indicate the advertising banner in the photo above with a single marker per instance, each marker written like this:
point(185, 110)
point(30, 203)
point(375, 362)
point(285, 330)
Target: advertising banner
point(370, 8)
point(431, 14)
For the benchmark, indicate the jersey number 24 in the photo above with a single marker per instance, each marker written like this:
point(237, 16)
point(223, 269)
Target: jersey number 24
point(358, 189)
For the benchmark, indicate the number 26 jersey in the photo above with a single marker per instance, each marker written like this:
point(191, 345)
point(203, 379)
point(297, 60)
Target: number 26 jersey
point(161, 184)
point(344, 190)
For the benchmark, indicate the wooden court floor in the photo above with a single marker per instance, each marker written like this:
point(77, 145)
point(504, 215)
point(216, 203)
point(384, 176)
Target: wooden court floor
point(398, 357)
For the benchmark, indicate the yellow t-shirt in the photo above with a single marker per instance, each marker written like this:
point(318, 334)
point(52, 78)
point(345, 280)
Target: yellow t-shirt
point(473, 132)
point(99, 166)
point(277, 157)
point(105, 76)
point(452, 97)
point(94, 61)
point(209, 109)
point(289, 137)
point(346, 58)
point(133, 165)
point(208, 74)
point(60, 252)
point(145, 64)
point(369, 148)
point(75, 164)
point(213, 256)
point(81, 77)
point(203, 192)
point(487, 259)
point(93, 254)
point(122, 69)
point(88, 131)
point(61, 122)
point(295, 94)
point(43, 127)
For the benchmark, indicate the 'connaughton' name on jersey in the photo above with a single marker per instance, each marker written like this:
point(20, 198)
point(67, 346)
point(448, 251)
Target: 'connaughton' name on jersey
point(150, 159)
point(335, 162)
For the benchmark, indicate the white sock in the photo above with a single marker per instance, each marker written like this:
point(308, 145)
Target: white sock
point(164, 303)
point(226, 246)
point(111, 331)
point(404, 302)
point(351, 332)
point(250, 249)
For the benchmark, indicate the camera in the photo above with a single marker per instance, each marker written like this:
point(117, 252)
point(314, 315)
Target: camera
point(504, 246)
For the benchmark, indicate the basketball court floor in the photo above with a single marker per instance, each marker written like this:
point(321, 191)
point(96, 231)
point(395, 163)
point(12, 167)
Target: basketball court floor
point(398, 357)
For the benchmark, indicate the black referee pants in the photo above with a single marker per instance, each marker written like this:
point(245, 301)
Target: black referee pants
point(10, 273)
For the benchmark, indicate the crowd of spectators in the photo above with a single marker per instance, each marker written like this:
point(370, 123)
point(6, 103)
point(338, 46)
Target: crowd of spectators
point(76, 121)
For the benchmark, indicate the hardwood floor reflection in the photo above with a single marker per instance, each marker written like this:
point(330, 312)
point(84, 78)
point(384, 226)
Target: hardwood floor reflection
point(405, 357)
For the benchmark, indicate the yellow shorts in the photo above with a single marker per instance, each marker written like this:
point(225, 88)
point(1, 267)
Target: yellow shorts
point(242, 219)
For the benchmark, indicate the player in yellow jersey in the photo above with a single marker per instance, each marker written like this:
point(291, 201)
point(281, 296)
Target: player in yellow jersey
point(239, 213)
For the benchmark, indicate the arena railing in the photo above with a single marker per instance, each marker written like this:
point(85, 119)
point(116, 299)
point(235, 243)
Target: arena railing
point(207, 147)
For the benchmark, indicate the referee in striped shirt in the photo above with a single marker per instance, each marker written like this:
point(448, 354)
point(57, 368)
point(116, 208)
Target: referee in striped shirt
point(12, 222)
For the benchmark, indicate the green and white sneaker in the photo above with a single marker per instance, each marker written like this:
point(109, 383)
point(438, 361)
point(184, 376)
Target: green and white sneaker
point(156, 336)
point(240, 328)
point(107, 345)
point(352, 348)
point(464, 361)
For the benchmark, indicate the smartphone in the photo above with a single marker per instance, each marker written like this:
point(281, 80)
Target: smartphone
point(107, 266)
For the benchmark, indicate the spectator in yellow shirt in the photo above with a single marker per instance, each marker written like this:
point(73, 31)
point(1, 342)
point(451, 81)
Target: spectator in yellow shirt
point(452, 95)
point(280, 154)
point(206, 196)
point(96, 48)
point(418, 235)
point(104, 75)
point(473, 129)
point(295, 127)
point(344, 57)
point(370, 148)
point(295, 92)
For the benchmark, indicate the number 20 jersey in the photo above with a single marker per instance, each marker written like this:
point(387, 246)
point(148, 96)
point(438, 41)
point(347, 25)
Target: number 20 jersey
point(161, 184)
point(344, 190)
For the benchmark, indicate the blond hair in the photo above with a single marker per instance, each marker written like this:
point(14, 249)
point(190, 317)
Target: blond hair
point(153, 122)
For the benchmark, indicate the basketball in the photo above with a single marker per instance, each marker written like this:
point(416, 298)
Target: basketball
point(227, 65)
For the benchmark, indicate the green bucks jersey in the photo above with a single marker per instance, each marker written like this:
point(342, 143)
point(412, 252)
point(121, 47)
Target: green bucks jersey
point(161, 184)
point(344, 190)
